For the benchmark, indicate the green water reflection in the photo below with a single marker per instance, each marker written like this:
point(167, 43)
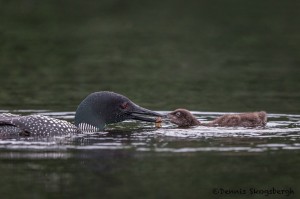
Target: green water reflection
point(203, 55)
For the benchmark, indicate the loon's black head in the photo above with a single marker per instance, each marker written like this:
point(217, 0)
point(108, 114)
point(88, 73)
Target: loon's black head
point(101, 108)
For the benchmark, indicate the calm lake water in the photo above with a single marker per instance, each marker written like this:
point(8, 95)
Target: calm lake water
point(211, 57)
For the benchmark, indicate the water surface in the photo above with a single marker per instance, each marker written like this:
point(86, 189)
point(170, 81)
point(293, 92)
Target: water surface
point(132, 158)
point(280, 133)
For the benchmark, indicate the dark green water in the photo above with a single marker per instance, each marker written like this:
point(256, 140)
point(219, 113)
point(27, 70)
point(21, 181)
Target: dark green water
point(209, 55)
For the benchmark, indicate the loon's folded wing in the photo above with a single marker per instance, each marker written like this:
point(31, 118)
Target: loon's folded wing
point(7, 118)
point(7, 124)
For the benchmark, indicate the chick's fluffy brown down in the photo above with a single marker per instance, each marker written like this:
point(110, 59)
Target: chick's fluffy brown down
point(184, 118)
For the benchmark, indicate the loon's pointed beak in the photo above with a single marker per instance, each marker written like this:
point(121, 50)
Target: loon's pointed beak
point(139, 113)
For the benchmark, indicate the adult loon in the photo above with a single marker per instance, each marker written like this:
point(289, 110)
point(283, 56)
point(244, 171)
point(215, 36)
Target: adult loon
point(92, 114)
point(184, 118)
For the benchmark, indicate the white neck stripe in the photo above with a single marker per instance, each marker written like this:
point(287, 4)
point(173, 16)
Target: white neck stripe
point(87, 127)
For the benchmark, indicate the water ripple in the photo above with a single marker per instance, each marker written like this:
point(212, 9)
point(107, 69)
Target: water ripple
point(281, 133)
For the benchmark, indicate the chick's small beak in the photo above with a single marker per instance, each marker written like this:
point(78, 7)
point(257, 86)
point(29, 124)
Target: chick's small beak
point(170, 116)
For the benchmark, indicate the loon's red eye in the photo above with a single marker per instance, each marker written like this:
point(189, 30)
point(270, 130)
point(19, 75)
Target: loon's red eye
point(124, 105)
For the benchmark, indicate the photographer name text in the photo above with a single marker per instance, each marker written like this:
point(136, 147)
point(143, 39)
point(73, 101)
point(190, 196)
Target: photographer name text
point(254, 191)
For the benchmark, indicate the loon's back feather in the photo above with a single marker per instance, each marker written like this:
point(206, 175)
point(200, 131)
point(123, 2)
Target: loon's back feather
point(36, 125)
point(4, 116)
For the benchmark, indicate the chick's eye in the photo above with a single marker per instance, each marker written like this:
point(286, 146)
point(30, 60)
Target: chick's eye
point(124, 105)
point(177, 114)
